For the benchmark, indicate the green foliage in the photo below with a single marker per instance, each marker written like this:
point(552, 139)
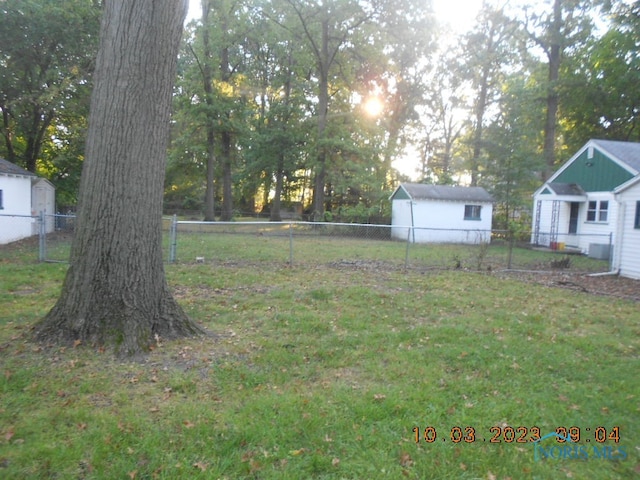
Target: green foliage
point(47, 53)
point(606, 72)
point(472, 105)
point(321, 373)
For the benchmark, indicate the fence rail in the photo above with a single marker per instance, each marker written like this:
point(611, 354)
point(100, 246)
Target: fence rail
point(314, 243)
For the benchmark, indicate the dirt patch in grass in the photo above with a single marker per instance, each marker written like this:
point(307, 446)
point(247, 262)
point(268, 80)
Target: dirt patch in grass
point(606, 285)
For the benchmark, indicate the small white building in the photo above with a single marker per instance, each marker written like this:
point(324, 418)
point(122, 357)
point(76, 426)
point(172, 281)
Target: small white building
point(626, 252)
point(576, 207)
point(43, 199)
point(23, 195)
point(441, 214)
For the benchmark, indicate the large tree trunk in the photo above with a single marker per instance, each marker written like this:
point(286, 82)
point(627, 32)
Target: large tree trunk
point(226, 141)
point(115, 293)
point(227, 179)
point(207, 81)
point(275, 215)
point(554, 53)
point(323, 110)
point(481, 107)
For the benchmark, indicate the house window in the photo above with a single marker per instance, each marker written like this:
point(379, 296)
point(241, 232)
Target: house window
point(603, 213)
point(598, 211)
point(636, 221)
point(472, 212)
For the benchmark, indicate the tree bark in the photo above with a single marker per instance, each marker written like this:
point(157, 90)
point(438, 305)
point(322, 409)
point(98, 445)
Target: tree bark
point(207, 81)
point(480, 109)
point(324, 62)
point(227, 179)
point(115, 293)
point(554, 53)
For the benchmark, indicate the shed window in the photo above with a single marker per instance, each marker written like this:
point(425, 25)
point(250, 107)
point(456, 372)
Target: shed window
point(1, 204)
point(472, 212)
point(636, 221)
point(598, 211)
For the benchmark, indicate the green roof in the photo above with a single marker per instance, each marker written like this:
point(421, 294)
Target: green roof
point(598, 173)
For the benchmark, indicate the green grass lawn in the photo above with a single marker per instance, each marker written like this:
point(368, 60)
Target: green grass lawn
point(304, 245)
point(312, 244)
point(325, 371)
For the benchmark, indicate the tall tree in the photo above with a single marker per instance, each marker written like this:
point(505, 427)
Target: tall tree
point(513, 141)
point(444, 119)
point(326, 28)
point(566, 24)
point(275, 148)
point(403, 42)
point(607, 73)
point(219, 51)
point(206, 69)
point(487, 51)
point(115, 292)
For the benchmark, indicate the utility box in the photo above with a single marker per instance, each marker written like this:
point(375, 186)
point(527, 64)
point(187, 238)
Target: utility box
point(599, 251)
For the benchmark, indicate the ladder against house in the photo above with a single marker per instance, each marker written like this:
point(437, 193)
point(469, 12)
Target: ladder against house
point(555, 220)
point(536, 229)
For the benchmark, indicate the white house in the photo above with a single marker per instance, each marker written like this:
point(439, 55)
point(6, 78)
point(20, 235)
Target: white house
point(626, 254)
point(576, 207)
point(22, 196)
point(441, 213)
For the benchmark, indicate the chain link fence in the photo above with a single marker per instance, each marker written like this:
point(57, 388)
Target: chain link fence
point(372, 246)
point(311, 244)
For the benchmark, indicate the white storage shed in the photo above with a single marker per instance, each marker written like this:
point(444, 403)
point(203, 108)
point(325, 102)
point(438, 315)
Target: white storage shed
point(424, 213)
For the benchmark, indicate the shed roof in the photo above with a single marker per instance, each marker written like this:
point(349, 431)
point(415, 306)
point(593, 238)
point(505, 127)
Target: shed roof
point(572, 189)
point(8, 168)
point(626, 152)
point(421, 191)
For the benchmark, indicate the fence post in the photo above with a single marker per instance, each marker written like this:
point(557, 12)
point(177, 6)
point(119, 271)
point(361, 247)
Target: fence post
point(511, 242)
point(406, 254)
point(290, 244)
point(42, 237)
point(173, 238)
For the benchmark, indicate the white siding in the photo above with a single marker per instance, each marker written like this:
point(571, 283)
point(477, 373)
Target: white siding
point(441, 221)
point(43, 199)
point(627, 255)
point(400, 218)
point(587, 232)
point(598, 232)
point(16, 200)
point(542, 236)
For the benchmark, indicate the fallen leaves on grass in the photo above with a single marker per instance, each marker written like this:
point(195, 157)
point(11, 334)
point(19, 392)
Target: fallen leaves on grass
point(405, 459)
point(201, 466)
point(188, 424)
